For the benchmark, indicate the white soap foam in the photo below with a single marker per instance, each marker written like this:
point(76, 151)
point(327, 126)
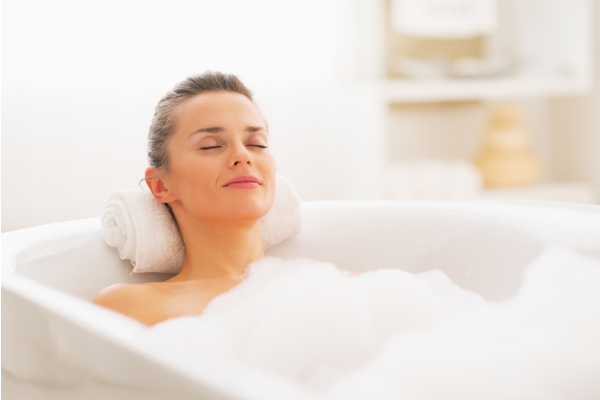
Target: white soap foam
point(391, 334)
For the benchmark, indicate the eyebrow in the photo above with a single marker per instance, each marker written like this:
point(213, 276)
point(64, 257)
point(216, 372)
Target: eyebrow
point(217, 129)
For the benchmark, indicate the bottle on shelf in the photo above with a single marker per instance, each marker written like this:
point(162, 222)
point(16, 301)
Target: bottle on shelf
point(506, 158)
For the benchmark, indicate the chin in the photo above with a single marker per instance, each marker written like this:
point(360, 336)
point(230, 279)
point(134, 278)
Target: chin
point(249, 210)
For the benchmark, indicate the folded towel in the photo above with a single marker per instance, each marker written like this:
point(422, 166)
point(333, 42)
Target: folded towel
point(144, 232)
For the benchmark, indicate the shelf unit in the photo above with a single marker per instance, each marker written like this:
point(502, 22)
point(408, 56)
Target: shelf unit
point(410, 91)
point(551, 39)
point(554, 41)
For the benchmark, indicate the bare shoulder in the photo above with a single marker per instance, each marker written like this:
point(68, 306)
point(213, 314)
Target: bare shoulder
point(129, 299)
point(114, 295)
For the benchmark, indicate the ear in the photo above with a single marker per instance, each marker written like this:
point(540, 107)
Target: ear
point(157, 185)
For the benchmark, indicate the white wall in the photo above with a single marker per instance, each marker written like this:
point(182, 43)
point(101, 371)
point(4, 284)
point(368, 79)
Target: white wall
point(80, 80)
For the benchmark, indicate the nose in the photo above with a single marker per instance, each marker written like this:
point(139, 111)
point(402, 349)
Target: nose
point(241, 156)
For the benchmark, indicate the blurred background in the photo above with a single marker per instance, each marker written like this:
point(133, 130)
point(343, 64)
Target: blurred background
point(400, 99)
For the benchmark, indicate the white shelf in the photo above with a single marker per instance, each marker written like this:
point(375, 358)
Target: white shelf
point(569, 191)
point(510, 87)
point(550, 42)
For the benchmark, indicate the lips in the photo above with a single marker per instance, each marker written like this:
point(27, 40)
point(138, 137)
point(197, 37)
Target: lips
point(243, 182)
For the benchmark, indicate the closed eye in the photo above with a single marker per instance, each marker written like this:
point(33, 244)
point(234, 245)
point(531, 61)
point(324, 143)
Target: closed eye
point(257, 145)
point(209, 148)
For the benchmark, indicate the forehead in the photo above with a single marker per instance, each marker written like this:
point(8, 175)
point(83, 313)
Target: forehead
point(217, 108)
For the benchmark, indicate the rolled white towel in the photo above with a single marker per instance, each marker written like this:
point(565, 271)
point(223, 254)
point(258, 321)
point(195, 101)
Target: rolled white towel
point(144, 232)
point(284, 219)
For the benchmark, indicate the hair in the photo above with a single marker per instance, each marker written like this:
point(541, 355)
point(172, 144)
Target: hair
point(163, 122)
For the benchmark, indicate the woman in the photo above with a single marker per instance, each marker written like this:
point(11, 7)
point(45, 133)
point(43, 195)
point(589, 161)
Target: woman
point(211, 165)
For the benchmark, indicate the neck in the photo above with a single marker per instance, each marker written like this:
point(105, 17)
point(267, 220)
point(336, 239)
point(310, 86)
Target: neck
point(214, 252)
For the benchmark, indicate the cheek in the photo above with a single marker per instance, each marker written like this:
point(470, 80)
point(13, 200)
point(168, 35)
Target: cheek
point(269, 167)
point(190, 175)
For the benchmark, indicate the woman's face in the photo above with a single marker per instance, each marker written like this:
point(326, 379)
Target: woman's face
point(221, 168)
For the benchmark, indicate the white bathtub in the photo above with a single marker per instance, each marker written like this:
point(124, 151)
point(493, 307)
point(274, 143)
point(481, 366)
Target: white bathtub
point(57, 344)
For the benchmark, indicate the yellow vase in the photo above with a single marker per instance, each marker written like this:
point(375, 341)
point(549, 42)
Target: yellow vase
point(506, 158)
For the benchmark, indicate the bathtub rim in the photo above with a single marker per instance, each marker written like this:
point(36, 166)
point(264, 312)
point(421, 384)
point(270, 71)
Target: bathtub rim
point(15, 242)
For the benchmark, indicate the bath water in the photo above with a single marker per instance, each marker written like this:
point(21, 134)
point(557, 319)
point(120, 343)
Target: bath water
point(390, 334)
